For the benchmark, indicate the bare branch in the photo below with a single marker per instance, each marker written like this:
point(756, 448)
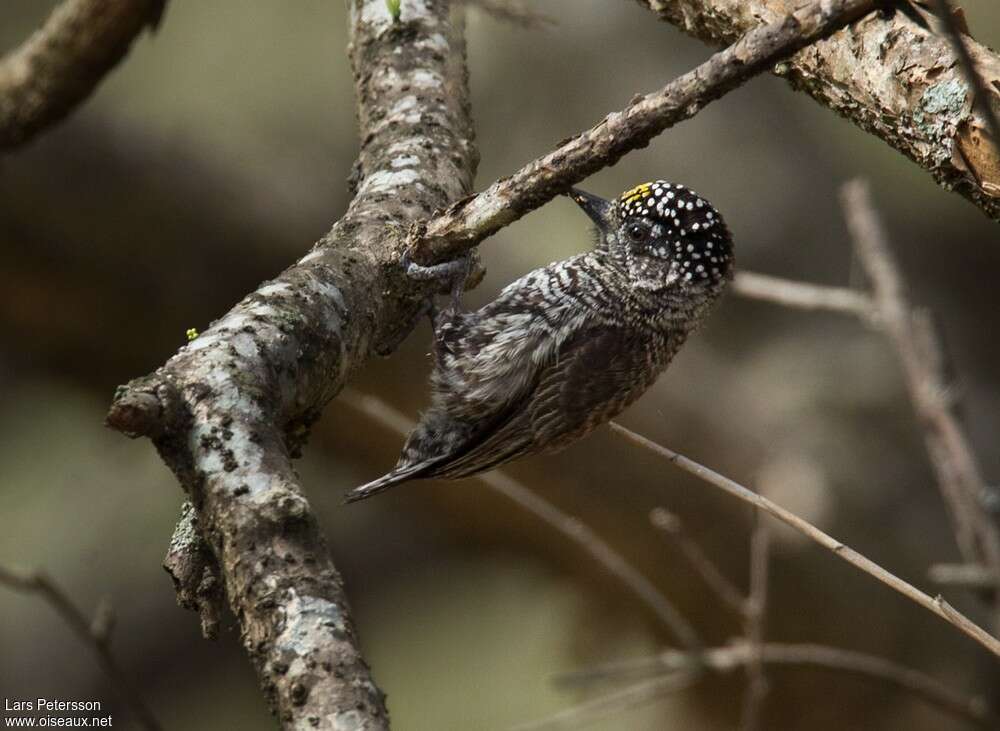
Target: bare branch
point(960, 481)
point(981, 91)
point(723, 588)
point(43, 80)
point(469, 221)
point(936, 605)
point(886, 73)
point(570, 527)
point(801, 295)
point(731, 657)
point(756, 610)
point(514, 11)
point(627, 699)
point(95, 633)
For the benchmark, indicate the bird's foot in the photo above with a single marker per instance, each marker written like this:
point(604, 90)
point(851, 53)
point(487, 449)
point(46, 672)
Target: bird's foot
point(452, 274)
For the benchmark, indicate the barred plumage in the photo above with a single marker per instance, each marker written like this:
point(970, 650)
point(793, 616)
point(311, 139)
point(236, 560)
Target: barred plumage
point(567, 347)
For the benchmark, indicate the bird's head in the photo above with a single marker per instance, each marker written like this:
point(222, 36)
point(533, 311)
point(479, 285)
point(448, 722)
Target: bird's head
point(664, 235)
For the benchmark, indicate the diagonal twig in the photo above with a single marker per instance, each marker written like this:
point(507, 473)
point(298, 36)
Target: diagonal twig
point(95, 633)
point(961, 484)
point(720, 585)
point(888, 74)
point(472, 219)
point(730, 657)
point(937, 606)
point(570, 527)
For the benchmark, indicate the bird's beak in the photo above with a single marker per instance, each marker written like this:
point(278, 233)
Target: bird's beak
point(598, 209)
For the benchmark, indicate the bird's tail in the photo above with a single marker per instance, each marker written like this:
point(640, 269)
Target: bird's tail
point(398, 475)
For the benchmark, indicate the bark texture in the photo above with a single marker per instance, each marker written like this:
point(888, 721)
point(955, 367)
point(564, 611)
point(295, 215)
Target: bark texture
point(889, 75)
point(60, 65)
point(469, 221)
point(231, 409)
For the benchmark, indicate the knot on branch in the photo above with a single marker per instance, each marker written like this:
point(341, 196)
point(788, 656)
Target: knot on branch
point(145, 407)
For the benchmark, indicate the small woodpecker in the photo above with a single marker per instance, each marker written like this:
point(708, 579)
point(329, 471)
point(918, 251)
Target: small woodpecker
point(567, 347)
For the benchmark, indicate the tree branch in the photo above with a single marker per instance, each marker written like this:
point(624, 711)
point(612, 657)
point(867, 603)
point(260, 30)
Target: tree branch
point(936, 605)
point(723, 660)
point(44, 79)
point(888, 75)
point(469, 221)
point(229, 411)
point(961, 484)
point(95, 633)
point(566, 525)
point(802, 295)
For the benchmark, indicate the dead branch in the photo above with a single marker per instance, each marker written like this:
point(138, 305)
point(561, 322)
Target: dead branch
point(723, 588)
point(889, 75)
point(95, 633)
point(936, 605)
point(731, 657)
point(566, 525)
point(802, 295)
point(625, 699)
point(472, 219)
point(48, 76)
point(959, 479)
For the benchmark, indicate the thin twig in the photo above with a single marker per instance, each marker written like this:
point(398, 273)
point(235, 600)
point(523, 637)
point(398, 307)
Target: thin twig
point(959, 479)
point(472, 219)
point(627, 699)
point(95, 633)
point(514, 11)
point(981, 93)
point(720, 585)
point(802, 295)
point(567, 525)
point(755, 613)
point(936, 605)
point(730, 657)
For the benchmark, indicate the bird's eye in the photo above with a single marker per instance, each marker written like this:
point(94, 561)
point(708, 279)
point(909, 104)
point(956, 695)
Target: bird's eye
point(637, 231)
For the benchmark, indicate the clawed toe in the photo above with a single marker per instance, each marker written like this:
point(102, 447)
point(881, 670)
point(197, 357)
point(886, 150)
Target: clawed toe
point(451, 273)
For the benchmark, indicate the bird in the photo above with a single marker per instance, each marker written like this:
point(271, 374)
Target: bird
point(566, 347)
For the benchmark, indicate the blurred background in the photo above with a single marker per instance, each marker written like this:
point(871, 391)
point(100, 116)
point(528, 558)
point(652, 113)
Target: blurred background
point(218, 153)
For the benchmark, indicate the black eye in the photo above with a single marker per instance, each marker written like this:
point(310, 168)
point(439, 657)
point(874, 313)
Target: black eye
point(637, 231)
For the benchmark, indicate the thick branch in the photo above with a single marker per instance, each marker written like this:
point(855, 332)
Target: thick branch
point(43, 80)
point(231, 408)
point(887, 74)
point(469, 221)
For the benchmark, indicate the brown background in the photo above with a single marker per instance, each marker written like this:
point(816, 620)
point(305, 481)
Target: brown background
point(218, 153)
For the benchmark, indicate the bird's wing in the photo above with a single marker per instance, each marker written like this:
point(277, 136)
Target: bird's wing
point(591, 378)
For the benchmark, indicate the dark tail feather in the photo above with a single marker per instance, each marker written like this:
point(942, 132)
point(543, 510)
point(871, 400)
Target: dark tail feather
point(398, 475)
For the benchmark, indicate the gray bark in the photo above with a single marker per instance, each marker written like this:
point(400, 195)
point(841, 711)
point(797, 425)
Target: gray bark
point(231, 409)
point(887, 74)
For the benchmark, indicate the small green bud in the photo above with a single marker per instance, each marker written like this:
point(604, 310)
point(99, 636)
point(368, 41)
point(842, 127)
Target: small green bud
point(191, 333)
point(395, 7)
